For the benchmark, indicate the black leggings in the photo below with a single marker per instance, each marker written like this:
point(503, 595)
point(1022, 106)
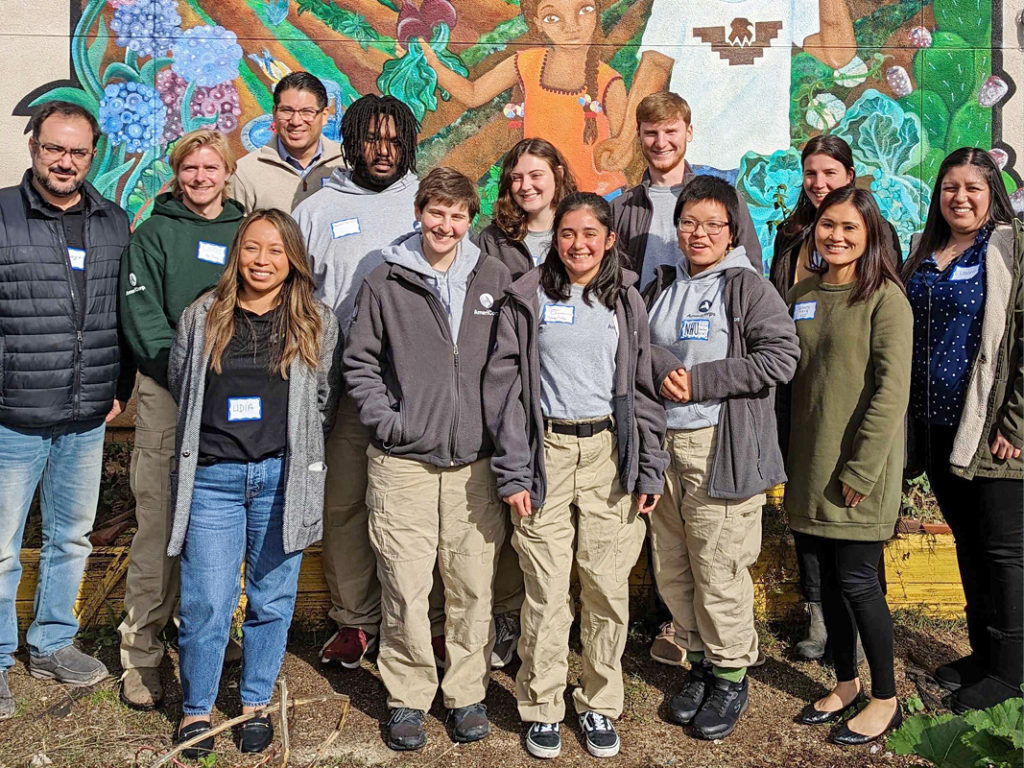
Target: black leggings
point(987, 519)
point(852, 600)
point(810, 572)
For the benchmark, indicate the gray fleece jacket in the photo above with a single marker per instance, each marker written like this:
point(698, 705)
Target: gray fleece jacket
point(414, 373)
point(762, 353)
point(312, 402)
point(345, 226)
point(512, 396)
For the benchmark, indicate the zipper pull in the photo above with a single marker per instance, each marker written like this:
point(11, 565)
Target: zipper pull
point(455, 352)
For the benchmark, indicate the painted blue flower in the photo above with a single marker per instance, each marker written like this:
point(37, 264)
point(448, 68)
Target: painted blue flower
point(148, 27)
point(207, 56)
point(132, 114)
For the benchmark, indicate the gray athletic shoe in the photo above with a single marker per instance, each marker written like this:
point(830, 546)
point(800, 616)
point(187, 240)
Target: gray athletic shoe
point(6, 699)
point(69, 666)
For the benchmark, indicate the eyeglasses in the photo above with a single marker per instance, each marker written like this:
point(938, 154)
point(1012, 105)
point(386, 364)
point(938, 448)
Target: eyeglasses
point(306, 113)
point(689, 226)
point(50, 152)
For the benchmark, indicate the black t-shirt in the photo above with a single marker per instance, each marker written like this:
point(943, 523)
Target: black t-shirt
point(245, 407)
point(72, 223)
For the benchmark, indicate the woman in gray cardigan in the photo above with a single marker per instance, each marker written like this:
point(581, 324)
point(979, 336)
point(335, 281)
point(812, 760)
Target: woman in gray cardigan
point(255, 371)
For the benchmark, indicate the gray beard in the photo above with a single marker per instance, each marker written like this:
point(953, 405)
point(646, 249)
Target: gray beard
point(45, 183)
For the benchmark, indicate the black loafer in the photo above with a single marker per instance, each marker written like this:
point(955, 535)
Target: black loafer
point(255, 735)
point(843, 736)
point(190, 731)
point(810, 715)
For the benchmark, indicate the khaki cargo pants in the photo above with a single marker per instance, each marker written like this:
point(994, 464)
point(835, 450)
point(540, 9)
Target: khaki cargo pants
point(422, 516)
point(586, 513)
point(703, 549)
point(151, 585)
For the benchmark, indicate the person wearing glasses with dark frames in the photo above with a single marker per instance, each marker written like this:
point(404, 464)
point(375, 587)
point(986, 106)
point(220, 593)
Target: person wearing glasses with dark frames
point(62, 378)
point(298, 160)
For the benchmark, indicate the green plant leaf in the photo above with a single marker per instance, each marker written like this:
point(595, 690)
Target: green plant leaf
point(937, 739)
point(971, 126)
point(74, 95)
point(970, 19)
point(109, 179)
point(147, 72)
point(117, 69)
point(1005, 720)
point(993, 750)
point(947, 68)
point(98, 46)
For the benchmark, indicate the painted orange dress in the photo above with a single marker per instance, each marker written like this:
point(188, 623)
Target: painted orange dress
point(557, 116)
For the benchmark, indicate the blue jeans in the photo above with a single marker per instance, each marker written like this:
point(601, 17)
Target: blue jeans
point(237, 514)
point(68, 460)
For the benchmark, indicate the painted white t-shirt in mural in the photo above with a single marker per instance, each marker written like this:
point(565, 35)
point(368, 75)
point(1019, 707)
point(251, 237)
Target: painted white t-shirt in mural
point(732, 65)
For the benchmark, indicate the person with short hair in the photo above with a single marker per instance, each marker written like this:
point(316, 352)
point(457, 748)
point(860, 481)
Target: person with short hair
point(174, 256)
point(64, 373)
point(414, 359)
point(298, 159)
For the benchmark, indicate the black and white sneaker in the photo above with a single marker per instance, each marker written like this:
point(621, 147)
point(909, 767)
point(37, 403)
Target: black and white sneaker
point(506, 638)
point(544, 740)
point(602, 740)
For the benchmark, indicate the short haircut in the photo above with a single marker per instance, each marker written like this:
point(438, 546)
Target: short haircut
point(449, 187)
point(662, 106)
point(301, 81)
point(64, 109)
point(193, 140)
point(714, 189)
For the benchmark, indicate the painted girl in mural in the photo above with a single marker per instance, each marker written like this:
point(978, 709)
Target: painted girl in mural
point(570, 97)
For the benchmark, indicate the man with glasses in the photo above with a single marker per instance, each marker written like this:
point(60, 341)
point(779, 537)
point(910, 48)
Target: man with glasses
point(61, 380)
point(298, 160)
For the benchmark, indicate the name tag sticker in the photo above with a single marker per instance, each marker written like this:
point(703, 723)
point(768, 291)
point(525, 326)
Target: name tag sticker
point(694, 330)
point(212, 253)
point(559, 313)
point(245, 409)
point(323, 181)
point(805, 310)
point(965, 273)
point(77, 258)
point(344, 228)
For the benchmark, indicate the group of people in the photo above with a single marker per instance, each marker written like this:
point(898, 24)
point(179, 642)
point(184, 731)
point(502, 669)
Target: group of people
point(322, 351)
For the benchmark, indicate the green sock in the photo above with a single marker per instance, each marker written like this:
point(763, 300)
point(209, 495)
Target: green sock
point(732, 675)
point(695, 657)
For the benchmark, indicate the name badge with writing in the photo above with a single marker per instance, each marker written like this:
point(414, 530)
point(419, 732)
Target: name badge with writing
point(212, 253)
point(694, 330)
point(77, 258)
point(805, 310)
point(965, 273)
point(559, 313)
point(245, 409)
point(344, 228)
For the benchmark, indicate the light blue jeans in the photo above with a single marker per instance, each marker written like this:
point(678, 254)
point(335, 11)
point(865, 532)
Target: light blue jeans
point(66, 462)
point(237, 514)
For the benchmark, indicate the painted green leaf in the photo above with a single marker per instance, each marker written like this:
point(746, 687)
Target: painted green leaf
point(947, 69)
point(934, 115)
point(147, 72)
point(98, 47)
point(117, 71)
point(74, 95)
point(106, 183)
point(413, 81)
point(970, 19)
point(1009, 182)
point(971, 126)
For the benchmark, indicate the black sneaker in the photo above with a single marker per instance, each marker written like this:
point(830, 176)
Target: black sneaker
point(506, 638)
point(544, 740)
point(470, 723)
point(405, 729)
point(685, 704)
point(726, 701)
point(602, 740)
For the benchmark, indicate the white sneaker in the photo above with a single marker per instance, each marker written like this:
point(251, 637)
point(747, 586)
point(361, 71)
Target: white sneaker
point(602, 740)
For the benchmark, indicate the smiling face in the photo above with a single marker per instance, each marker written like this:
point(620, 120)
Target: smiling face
point(202, 177)
point(702, 249)
point(299, 133)
point(964, 199)
point(262, 261)
point(582, 242)
point(567, 22)
point(664, 144)
point(61, 175)
point(841, 235)
point(442, 226)
point(533, 184)
point(822, 174)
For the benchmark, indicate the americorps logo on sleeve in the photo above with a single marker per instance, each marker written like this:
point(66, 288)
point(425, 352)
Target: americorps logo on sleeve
point(212, 253)
point(245, 409)
point(344, 228)
point(805, 310)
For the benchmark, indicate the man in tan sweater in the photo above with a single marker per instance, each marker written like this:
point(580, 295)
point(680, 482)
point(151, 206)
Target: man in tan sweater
point(297, 161)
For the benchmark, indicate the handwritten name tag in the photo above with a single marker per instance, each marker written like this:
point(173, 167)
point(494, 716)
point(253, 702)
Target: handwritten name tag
point(559, 313)
point(245, 409)
point(805, 310)
point(212, 253)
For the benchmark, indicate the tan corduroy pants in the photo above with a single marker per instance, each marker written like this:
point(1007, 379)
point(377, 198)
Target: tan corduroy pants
point(422, 515)
point(589, 515)
point(703, 550)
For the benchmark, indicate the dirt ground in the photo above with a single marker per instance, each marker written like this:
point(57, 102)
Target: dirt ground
point(85, 728)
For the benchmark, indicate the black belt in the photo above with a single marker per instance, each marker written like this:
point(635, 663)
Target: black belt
point(580, 429)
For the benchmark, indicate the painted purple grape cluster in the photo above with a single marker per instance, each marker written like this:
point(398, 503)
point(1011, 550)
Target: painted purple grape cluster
point(207, 56)
point(132, 114)
point(147, 27)
point(221, 100)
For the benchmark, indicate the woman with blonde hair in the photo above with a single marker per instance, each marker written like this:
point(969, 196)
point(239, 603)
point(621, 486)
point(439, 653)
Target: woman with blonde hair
point(255, 371)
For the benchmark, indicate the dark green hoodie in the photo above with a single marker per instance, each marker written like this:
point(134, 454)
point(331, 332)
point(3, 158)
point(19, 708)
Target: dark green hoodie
point(171, 259)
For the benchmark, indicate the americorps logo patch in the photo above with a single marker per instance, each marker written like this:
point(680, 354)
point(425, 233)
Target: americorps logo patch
point(705, 306)
point(132, 279)
point(486, 300)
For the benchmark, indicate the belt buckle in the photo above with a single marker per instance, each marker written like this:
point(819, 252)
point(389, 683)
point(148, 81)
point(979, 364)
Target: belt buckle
point(585, 430)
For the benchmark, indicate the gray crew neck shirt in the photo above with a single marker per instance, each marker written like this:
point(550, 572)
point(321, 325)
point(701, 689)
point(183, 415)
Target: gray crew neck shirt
point(662, 244)
point(538, 243)
point(577, 357)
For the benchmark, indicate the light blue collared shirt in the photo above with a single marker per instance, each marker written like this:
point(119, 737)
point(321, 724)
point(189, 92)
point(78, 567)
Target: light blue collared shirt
point(287, 157)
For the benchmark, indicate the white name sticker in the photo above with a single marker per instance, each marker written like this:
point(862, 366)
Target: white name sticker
point(963, 273)
point(805, 310)
point(323, 181)
point(245, 409)
point(559, 313)
point(344, 228)
point(694, 330)
point(212, 253)
point(77, 258)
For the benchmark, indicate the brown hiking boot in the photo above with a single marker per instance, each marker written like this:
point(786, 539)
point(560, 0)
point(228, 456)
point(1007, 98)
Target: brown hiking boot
point(141, 688)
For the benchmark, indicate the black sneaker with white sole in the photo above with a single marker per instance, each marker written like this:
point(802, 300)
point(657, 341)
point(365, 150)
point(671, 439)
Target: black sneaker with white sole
point(602, 740)
point(722, 708)
point(544, 740)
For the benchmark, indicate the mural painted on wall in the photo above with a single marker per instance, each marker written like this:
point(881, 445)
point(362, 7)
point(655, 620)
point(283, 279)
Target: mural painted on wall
point(903, 81)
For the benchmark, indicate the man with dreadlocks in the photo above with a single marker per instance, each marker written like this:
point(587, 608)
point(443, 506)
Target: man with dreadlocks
point(360, 210)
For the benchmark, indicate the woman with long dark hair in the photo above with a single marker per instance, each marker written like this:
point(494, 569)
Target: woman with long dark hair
point(964, 284)
point(848, 401)
point(577, 428)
